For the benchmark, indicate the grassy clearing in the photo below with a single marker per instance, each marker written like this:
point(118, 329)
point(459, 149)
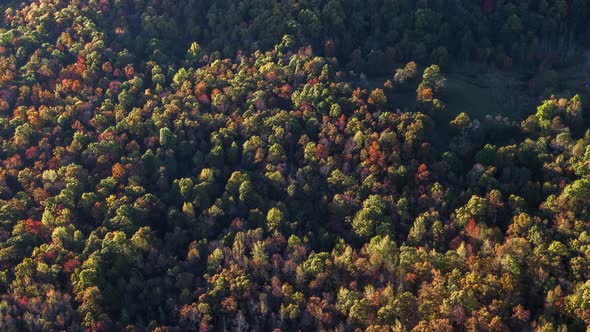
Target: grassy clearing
point(491, 93)
point(575, 79)
point(478, 93)
point(482, 90)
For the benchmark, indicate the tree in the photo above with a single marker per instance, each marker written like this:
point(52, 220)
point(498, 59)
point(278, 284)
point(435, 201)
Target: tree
point(433, 79)
point(405, 75)
point(475, 208)
point(578, 303)
point(167, 138)
point(274, 219)
point(372, 219)
point(460, 122)
point(194, 53)
point(577, 195)
point(418, 230)
point(377, 98)
point(487, 155)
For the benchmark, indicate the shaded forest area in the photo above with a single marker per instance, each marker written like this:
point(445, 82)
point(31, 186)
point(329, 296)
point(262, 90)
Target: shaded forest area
point(226, 165)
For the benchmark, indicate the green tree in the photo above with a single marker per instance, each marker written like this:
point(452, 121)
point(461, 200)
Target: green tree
point(167, 138)
point(274, 219)
point(373, 218)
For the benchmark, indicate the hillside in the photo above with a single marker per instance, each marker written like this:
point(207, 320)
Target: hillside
point(307, 165)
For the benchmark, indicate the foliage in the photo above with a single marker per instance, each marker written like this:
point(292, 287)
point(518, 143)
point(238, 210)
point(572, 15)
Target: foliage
point(194, 165)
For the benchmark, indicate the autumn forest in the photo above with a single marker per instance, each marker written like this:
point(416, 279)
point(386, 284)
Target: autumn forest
point(294, 165)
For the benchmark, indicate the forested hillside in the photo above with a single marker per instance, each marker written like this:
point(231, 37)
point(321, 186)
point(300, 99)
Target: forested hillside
point(236, 165)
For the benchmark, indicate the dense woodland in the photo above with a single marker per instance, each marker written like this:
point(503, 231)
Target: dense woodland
point(214, 165)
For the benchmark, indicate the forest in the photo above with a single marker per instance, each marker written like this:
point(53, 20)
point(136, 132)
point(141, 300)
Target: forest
point(294, 165)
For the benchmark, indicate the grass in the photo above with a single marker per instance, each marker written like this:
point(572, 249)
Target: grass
point(483, 90)
point(575, 79)
point(492, 93)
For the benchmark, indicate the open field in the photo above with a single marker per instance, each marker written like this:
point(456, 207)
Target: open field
point(485, 90)
point(489, 93)
point(477, 92)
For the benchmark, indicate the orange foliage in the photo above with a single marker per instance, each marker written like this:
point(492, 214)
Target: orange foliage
point(32, 152)
point(422, 174)
point(71, 265)
point(214, 93)
point(40, 195)
point(200, 88)
point(286, 91)
point(376, 156)
point(34, 119)
point(472, 229)
point(321, 152)
point(14, 162)
point(106, 67)
point(520, 313)
point(118, 171)
point(36, 228)
point(76, 86)
point(426, 94)
point(271, 76)
point(129, 71)
point(229, 305)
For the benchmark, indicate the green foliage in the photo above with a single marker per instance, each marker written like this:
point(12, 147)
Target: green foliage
point(433, 79)
point(372, 219)
point(274, 219)
point(487, 155)
point(154, 178)
point(167, 138)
